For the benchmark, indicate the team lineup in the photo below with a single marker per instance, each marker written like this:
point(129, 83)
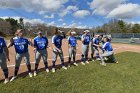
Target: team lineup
point(41, 43)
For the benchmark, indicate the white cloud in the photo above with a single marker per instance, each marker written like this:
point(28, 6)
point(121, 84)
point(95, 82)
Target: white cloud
point(60, 20)
point(125, 11)
point(51, 24)
point(64, 24)
point(81, 13)
point(68, 10)
point(75, 25)
point(51, 16)
point(38, 6)
point(26, 20)
point(133, 22)
point(103, 7)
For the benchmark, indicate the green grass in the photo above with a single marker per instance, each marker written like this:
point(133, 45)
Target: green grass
point(92, 78)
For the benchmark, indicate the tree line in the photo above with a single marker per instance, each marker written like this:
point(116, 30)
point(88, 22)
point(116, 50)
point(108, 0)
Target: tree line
point(9, 25)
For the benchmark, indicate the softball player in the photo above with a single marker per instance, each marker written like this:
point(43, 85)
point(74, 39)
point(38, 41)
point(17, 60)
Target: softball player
point(107, 47)
point(92, 49)
point(102, 42)
point(85, 47)
point(95, 45)
point(72, 45)
point(21, 47)
point(40, 45)
point(57, 50)
point(4, 53)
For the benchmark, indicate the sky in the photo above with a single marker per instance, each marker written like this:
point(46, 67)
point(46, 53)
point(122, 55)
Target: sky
point(71, 13)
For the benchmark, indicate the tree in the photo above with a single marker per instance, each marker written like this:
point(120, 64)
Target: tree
point(136, 28)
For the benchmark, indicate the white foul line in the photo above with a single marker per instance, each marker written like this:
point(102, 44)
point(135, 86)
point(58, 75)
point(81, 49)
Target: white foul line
point(58, 58)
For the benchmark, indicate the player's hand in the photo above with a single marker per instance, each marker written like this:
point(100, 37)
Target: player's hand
point(77, 48)
point(8, 59)
point(35, 50)
point(11, 40)
point(30, 40)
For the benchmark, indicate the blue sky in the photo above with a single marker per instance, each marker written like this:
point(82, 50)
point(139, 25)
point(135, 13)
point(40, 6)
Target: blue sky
point(71, 13)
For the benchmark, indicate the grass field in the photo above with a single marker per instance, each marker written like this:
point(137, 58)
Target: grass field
point(92, 78)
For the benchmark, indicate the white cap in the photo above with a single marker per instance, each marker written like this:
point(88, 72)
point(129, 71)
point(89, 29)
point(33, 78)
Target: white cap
point(86, 31)
point(73, 32)
point(60, 31)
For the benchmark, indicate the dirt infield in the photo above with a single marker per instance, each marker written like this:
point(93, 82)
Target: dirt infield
point(117, 47)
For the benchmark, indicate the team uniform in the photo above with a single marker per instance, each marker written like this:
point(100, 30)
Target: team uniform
point(95, 48)
point(72, 41)
point(41, 44)
point(102, 42)
point(21, 48)
point(107, 47)
point(92, 49)
point(3, 63)
point(85, 47)
point(57, 41)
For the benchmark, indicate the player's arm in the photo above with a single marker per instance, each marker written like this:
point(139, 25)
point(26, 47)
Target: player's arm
point(30, 42)
point(83, 38)
point(6, 49)
point(53, 45)
point(11, 43)
point(7, 53)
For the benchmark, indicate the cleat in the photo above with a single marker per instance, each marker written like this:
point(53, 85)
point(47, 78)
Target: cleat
point(69, 66)
point(53, 70)
point(87, 62)
point(35, 73)
point(103, 64)
point(82, 63)
point(13, 78)
point(64, 67)
point(105, 58)
point(98, 59)
point(117, 62)
point(6, 81)
point(30, 75)
point(75, 64)
point(47, 70)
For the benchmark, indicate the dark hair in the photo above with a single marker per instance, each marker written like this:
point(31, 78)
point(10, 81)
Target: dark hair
point(101, 35)
point(55, 32)
point(107, 38)
point(69, 33)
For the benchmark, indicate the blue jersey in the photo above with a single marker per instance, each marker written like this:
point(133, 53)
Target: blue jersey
point(21, 45)
point(57, 40)
point(107, 46)
point(95, 41)
point(2, 44)
point(40, 43)
point(86, 39)
point(72, 41)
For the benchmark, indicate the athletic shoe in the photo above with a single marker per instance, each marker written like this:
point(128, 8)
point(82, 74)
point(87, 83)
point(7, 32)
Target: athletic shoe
point(30, 75)
point(103, 64)
point(35, 73)
point(87, 62)
point(106, 58)
point(53, 70)
point(75, 64)
point(6, 81)
point(47, 70)
point(93, 60)
point(64, 67)
point(82, 63)
point(98, 59)
point(13, 78)
point(69, 65)
point(117, 62)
